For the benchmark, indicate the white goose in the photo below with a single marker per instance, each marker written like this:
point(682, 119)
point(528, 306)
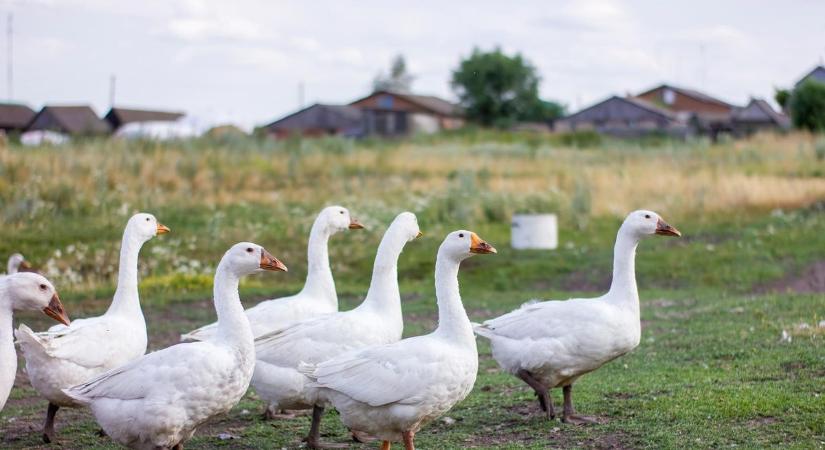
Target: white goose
point(22, 291)
point(160, 399)
point(318, 295)
point(17, 263)
point(551, 344)
point(391, 391)
point(67, 355)
point(376, 321)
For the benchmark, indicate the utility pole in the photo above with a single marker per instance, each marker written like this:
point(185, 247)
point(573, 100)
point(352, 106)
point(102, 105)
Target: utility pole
point(112, 85)
point(10, 55)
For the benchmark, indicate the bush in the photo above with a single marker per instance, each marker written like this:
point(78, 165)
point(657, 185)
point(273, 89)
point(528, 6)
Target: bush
point(808, 106)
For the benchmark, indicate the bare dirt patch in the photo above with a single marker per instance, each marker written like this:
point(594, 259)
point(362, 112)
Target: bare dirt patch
point(761, 421)
point(811, 280)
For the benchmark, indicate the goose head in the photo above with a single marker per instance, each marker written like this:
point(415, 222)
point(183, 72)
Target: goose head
point(338, 218)
point(406, 225)
point(245, 258)
point(32, 291)
point(17, 263)
point(643, 223)
point(460, 245)
point(144, 226)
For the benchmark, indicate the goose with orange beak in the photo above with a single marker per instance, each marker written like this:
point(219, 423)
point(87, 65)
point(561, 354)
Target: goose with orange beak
point(551, 344)
point(66, 355)
point(392, 391)
point(22, 291)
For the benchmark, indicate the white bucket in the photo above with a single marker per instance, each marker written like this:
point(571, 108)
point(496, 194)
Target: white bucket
point(534, 231)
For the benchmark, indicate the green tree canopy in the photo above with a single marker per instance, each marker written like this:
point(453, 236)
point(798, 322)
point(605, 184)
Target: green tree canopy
point(808, 106)
point(496, 89)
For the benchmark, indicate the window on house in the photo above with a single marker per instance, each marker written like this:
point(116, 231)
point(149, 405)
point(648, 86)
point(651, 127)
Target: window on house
point(668, 96)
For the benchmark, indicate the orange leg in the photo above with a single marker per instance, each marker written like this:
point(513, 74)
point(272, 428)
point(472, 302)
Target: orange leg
point(386, 445)
point(409, 438)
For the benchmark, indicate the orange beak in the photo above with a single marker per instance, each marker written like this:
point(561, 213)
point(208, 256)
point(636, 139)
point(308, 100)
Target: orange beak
point(269, 262)
point(55, 310)
point(354, 224)
point(664, 229)
point(477, 245)
point(24, 265)
point(419, 235)
point(163, 229)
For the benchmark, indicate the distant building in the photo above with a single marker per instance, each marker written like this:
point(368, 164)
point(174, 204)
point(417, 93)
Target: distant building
point(817, 74)
point(117, 117)
point(69, 120)
point(758, 115)
point(624, 117)
point(395, 114)
point(14, 117)
point(706, 114)
point(320, 120)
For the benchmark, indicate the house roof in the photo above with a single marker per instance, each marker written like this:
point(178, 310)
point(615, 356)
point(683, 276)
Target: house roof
point(80, 119)
point(817, 74)
point(759, 110)
point(693, 93)
point(320, 116)
point(429, 102)
point(129, 115)
point(634, 102)
point(14, 115)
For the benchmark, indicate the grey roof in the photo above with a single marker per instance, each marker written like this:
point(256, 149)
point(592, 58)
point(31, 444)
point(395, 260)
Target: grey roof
point(69, 119)
point(612, 108)
point(817, 74)
point(15, 116)
point(319, 116)
point(759, 111)
point(122, 116)
point(701, 96)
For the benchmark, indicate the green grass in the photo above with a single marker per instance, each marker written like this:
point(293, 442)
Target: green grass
point(712, 370)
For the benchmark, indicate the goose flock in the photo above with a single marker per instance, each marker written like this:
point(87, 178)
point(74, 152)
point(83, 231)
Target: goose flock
point(300, 352)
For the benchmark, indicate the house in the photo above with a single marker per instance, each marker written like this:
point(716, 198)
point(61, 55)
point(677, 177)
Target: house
point(817, 74)
point(758, 115)
point(14, 117)
point(320, 120)
point(625, 117)
point(389, 113)
point(69, 120)
point(117, 117)
point(706, 114)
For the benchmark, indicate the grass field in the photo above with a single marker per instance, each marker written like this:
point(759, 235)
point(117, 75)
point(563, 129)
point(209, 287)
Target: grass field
point(712, 370)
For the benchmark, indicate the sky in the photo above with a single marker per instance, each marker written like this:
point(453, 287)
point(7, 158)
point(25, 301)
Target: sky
point(243, 61)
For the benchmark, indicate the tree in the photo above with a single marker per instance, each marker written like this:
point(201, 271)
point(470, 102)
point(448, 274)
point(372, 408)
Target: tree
point(397, 80)
point(496, 89)
point(808, 106)
point(782, 97)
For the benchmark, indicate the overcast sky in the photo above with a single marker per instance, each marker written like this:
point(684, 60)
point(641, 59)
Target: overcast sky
point(242, 61)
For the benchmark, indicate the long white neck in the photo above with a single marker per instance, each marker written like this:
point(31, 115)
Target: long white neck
point(11, 267)
point(383, 295)
point(126, 300)
point(233, 326)
point(623, 288)
point(452, 318)
point(8, 357)
point(319, 283)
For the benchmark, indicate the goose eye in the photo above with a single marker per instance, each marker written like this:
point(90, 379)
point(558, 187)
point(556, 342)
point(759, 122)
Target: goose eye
point(42, 287)
point(249, 250)
point(647, 216)
point(461, 235)
point(342, 212)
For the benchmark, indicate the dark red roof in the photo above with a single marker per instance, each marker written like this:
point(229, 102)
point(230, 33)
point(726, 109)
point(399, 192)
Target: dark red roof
point(15, 116)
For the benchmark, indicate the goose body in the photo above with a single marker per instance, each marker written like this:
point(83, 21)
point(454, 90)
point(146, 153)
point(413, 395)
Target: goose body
point(551, 344)
point(318, 295)
point(391, 391)
point(160, 399)
point(22, 291)
point(65, 356)
point(377, 320)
